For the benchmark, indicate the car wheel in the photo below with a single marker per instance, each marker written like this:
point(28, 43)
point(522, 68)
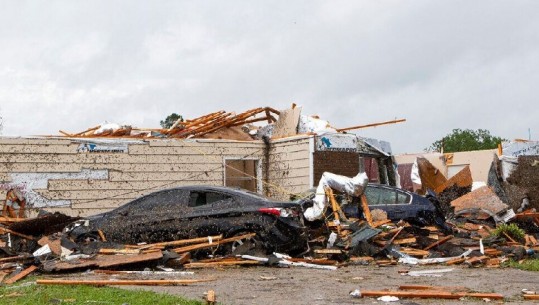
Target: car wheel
point(88, 238)
point(247, 246)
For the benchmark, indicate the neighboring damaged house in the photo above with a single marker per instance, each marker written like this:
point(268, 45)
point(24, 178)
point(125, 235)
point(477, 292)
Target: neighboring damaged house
point(81, 175)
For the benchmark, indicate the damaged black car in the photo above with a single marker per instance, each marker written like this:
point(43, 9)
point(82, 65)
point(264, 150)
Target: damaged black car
point(198, 211)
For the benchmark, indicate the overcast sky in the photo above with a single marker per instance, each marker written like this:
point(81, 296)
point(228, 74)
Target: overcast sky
point(72, 65)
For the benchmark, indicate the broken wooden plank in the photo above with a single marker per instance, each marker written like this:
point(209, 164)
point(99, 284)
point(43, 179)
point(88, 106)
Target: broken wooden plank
point(118, 251)
point(439, 242)
point(121, 282)
point(102, 261)
point(380, 222)
point(328, 251)
point(426, 294)
point(477, 259)
point(6, 230)
point(220, 264)
point(15, 258)
point(335, 207)
point(210, 297)
point(54, 245)
point(21, 275)
point(456, 260)
point(212, 244)
point(366, 209)
point(429, 287)
point(531, 297)
point(102, 235)
point(402, 241)
point(182, 242)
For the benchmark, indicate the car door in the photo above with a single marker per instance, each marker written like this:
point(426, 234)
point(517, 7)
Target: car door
point(154, 217)
point(395, 202)
point(211, 212)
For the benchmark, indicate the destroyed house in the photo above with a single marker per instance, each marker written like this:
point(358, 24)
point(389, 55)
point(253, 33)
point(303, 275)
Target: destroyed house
point(89, 175)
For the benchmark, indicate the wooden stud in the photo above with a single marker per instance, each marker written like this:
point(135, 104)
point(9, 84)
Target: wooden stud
point(426, 294)
point(213, 244)
point(121, 282)
point(21, 275)
point(102, 235)
point(366, 210)
point(439, 242)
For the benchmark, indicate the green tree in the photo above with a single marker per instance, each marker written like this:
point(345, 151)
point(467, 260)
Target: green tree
point(465, 140)
point(170, 120)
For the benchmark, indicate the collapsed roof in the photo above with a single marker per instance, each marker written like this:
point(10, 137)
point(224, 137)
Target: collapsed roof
point(245, 126)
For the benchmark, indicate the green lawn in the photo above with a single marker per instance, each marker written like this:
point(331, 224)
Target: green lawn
point(528, 264)
point(57, 294)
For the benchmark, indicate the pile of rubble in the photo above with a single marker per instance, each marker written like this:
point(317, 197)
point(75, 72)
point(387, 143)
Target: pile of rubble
point(480, 231)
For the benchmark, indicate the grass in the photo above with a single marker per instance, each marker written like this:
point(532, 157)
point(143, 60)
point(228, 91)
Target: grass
point(27, 293)
point(528, 264)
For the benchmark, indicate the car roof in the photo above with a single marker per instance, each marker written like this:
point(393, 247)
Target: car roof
point(224, 189)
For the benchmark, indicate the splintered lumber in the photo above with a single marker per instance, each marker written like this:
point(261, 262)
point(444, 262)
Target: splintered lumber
point(328, 251)
point(389, 242)
point(427, 294)
point(175, 273)
point(14, 258)
point(380, 222)
point(21, 275)
point(182, 242)
point(122, 282)
point(102, 235)
point(6, 230)
point(456, 261)
point(317, 261)
point(118, 251)
point(371, 125)
point(476, 259)
point(8, 220)
point(414, 252)
point(402, 241)
point(428, 287)
point(102, 261)
point(334, 207)
point(366, 210)
point(439, 242)
point(431, 177)
point(220, 264)
point(210, 297)
point(212, 244)
point(531, 297)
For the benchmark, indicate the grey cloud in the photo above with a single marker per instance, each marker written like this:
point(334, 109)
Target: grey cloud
point(441, 64)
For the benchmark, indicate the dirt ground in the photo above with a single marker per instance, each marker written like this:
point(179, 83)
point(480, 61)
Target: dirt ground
point(295, 286)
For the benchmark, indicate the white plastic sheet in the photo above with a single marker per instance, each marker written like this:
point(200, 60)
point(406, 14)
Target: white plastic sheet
point(309, 124)
point(351, 186)
point(509, 163)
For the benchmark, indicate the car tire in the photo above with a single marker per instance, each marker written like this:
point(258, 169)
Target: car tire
point(249, 246)
point(88, 237)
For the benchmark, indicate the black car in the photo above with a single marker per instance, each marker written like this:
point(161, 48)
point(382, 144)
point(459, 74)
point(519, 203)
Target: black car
point(399, 204)
point(197, 211)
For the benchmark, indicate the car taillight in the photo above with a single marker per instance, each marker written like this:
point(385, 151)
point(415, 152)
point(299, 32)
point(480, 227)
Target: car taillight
point(280, 212)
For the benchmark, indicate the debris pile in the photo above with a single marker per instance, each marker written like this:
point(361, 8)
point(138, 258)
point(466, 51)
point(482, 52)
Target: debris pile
point(227, 125)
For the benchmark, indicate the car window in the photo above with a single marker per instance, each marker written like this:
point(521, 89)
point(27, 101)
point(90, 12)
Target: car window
point(201, 198)
point(388, 196)
point(402, 197)
point(162, 200)
point(373, 195)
